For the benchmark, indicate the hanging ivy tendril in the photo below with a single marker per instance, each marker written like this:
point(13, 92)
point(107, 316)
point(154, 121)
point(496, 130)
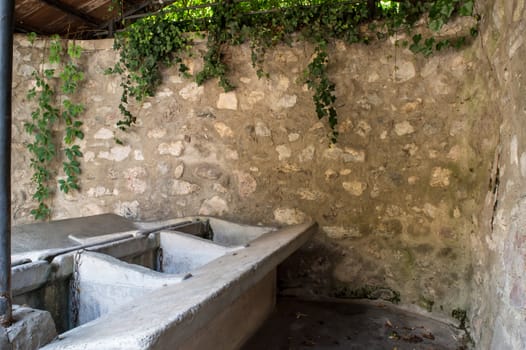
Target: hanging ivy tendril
point(52, 112)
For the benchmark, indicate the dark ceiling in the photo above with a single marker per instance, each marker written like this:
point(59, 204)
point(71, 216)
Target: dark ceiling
point(78, 18)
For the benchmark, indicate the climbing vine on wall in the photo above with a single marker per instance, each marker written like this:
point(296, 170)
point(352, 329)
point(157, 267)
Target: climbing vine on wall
point(323, 97)
point(52, 113)
point(162, 39)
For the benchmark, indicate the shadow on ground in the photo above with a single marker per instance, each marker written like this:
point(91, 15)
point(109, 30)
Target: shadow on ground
point(360, 325)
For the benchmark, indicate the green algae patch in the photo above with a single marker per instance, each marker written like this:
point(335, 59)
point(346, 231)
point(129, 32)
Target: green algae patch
point(370, 292)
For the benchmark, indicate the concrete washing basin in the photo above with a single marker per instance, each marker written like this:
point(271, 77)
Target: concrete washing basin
point(187, 283)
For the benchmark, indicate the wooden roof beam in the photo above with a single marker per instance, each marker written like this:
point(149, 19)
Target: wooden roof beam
point(73, 12)
point(110, 25)
point(25, 28)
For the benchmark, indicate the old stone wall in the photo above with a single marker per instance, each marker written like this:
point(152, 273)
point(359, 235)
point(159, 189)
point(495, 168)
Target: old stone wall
point(498, 311)
point(397, 198)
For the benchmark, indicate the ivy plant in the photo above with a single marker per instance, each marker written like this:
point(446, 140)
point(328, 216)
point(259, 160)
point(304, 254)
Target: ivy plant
point(162, 39)
point(317, 80)
point(50, 113)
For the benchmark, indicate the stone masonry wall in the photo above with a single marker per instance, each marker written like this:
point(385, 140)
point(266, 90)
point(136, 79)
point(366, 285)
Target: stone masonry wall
point(498, 310)
point(397, 198)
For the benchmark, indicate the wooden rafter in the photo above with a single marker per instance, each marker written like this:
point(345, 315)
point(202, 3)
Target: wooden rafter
point(73, 12)
point(127, 13)
point(25, 28)
point(110, 25)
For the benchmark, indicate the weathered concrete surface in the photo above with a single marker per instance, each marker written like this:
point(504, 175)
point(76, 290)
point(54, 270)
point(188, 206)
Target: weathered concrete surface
point(237, 322)
point(170, 316)
point(103, 283)
point(231, 234)
point(31, 330)
point(182, 254)
point(55, 234)
point(226, 233)
point(498, 305)
point(29, 276)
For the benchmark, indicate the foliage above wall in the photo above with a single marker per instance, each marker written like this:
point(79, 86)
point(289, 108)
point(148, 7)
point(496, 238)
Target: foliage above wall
point(162, 39)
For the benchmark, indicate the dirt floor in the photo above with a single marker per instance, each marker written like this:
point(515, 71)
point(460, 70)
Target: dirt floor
point(363, 325)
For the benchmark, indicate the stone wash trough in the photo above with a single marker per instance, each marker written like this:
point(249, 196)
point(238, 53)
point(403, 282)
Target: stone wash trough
point(110, 283)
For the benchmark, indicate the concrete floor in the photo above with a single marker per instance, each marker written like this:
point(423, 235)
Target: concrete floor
point(360, 325)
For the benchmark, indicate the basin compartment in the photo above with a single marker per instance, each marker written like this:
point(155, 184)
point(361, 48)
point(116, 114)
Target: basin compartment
point(101, 283)
point(181, 253)
point(116, 273)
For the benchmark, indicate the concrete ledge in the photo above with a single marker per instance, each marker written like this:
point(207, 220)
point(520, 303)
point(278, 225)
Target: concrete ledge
point(237, 322)
point(30, 276)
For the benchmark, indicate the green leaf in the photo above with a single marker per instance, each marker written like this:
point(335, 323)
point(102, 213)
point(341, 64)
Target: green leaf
point(74, 51)
point(42, 212)
point(31, 37)
point(31, 94)
point(467, 8)
point(63, 186)
point(48, 73)
point(436, 24)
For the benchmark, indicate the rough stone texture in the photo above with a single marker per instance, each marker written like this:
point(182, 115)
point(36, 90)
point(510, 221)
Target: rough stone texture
point(498, 309)
point(227, 101)
point(355, 188)
point(31, 330)
point(174, 149)
point(191, 92)
point(404, 128)
point(117, 153)
point(223, 130)
point(207, 171)
point(182, 188)
point(246, 183)
point(440, 177)
point(215, 206)
point(260, 155)
point(289, 216)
